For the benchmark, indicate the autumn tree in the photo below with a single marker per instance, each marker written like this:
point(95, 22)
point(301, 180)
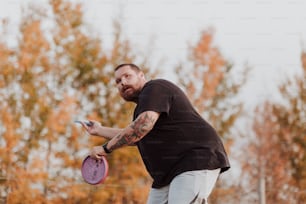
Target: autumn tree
point(59, 72)
point(267, 174)
point(274, 161)
point(24, 115)
point(211, 85)
point(291, 117)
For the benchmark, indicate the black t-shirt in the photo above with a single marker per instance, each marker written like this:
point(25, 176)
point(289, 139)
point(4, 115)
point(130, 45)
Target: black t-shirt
point(181, 139)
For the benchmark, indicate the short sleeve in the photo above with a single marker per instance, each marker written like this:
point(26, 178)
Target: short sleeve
point(154, 97)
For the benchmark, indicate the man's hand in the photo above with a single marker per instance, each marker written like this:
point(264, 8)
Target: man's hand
point(92, 127)
point(97, 152)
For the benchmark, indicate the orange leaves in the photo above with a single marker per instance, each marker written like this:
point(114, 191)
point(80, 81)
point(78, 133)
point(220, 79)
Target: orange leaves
point(269, 162)
point(7, 67)
point(202, 47)
point(204, 52)
point(61, 115)
point(10, 124)
point(303, 60)
point(24, 183)
point(69, 11)
point(209, 64)
point(278, 146)
point(53, 76)
point(77, 192)
point(32, 45)
point(210, 85)
point(208, 69)
point(292, 128)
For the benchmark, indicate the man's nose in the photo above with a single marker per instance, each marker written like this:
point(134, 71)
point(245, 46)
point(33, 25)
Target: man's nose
point(123, 82)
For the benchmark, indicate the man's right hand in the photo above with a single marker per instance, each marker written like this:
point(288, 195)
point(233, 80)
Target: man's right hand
point(92, 127)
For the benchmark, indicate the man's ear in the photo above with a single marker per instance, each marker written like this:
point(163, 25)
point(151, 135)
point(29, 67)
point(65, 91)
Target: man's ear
point(142, 75)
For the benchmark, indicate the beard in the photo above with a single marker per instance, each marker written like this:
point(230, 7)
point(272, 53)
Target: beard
point(131, 94)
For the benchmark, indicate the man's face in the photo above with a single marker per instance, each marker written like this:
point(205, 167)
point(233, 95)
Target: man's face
point(129, 82)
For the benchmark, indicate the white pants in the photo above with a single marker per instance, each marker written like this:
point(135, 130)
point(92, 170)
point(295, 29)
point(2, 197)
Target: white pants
point(190, 187)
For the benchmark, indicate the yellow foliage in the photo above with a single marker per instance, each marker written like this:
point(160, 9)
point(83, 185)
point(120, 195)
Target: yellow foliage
point(61, 115)
point(62, 73)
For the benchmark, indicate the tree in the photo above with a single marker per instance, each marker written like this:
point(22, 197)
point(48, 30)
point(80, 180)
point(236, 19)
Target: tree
point(59, 72)
point(275, 156)
point(268, 177)
point(211, 86)
point(291, 117)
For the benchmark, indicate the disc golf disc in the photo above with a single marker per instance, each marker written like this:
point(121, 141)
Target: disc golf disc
point(94, 171)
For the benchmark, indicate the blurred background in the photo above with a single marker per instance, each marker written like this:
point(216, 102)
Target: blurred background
point(241, 63)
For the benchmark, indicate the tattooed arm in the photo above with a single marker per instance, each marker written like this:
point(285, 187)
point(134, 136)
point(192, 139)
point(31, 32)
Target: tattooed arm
point(97, 129)
point(141, 126)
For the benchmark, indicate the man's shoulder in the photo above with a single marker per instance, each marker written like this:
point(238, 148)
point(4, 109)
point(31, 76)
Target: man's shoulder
point(163, 84)
point(160, 82)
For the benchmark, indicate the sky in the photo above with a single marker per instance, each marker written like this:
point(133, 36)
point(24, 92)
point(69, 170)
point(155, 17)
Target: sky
point(267, 35)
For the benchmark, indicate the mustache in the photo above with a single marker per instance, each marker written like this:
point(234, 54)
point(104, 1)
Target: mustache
point(126, 87)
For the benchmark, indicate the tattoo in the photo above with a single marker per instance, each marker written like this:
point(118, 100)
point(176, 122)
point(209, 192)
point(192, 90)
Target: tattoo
point(120, 141)
point(141, 125)
point(137, 130)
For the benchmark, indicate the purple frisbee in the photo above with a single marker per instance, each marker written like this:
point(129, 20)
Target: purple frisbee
point(94, 171)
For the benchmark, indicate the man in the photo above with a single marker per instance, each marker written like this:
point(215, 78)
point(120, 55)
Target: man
point(181, 151)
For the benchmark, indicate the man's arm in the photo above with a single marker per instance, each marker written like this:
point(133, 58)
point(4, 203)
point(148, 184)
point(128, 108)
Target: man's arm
point(97, 129)
point(140, 127)
point(108, 132)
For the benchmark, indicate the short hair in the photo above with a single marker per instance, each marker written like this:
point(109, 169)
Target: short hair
point(132, 66)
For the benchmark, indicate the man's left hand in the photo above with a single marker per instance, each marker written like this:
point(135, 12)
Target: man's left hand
point(97, 152)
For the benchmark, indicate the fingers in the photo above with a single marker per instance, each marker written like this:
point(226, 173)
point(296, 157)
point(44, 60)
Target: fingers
point(88, 123)
point(90, 126)
point(97, 152)
point(85, 124)
point(99, 156)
